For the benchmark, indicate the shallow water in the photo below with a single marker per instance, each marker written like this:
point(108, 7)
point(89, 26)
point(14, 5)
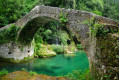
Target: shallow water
point(55, 66)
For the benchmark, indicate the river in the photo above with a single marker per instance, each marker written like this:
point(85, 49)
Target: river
point(55, 66)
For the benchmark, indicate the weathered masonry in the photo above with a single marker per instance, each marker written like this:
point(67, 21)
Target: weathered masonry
point(98, 35)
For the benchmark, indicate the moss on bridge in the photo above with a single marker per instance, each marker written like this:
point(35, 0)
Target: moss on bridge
point(108, 47)
point(9, 34)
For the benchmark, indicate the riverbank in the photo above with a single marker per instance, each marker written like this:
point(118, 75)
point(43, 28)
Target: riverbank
point(47, 50)
point(23, 75)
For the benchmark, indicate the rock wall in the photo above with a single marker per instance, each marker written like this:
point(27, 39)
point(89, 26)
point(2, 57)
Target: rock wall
point(105, 60)
point(107, 57)
point(15, 51)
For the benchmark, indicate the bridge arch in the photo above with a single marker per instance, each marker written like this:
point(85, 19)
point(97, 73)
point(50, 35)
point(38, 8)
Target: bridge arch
point(44, 14)
point(28, 31)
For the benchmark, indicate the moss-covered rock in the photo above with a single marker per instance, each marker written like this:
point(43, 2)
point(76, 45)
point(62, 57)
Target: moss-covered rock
point(22, 75)
point(45, 51)
point(9, 34)
point(107, 52)
point(18, 75)
point(11, 60)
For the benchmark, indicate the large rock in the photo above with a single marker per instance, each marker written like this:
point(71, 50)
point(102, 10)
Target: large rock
point(22, 75)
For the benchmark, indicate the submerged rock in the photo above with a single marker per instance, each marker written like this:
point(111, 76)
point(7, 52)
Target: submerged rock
point(23, 75)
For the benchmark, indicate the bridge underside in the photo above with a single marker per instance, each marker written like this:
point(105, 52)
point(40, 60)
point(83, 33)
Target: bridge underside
point(28, 31)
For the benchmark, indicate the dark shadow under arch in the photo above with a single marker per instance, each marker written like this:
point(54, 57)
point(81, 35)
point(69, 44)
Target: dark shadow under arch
point(28, 31)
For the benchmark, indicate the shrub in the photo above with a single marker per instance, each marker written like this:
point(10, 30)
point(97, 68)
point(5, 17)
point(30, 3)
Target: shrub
point(37, 47)
point(23, 69)
point(78, 75)
point(9, 34)
point(101, 31)
point(97, 13)
point(63, 36)
point(58, 48)
point(38, 38)
point(32, 73)
point(73, 48)
point(3, 72)
point(63, 18)
point(47, 32)
point(79, 46)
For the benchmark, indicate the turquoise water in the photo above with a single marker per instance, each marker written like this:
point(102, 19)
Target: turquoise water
point(55, 66)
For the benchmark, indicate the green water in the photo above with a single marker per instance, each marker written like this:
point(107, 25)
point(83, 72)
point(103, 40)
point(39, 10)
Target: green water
point(55, 66)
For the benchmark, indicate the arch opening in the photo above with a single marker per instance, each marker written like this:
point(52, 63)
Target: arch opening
point(28, 31)
point(35, 27)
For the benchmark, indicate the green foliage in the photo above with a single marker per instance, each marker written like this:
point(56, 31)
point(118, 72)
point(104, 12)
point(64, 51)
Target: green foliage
point(111, 9)
point(100, 2)
point(12, 32)
point(9, 13)
point(97, 13)
point(101, 31)
point(21, 48)
point(58, 48)
point(15, 9)
point(93, 26)
point(79, 46)
point(3, 72)
point(50, 32)
point(38, 38)
point(97, 29)
point(32, 73)
point(23, 69)
point(9, 34)
point(37, 48)
point(63, 18)
point(44, 51)
point(63, 36)
point(117, 56)
point(78, 75)
point(86, 22)
point(47, 32)
point(12, 10)
point(61, 3)
point(107, 76)
point(107, 8)
point(94, 29)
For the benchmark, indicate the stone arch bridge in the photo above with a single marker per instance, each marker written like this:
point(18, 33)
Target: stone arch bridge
point(102, 52)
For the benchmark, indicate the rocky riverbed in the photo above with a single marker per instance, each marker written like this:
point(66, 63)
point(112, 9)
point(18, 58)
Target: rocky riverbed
point(23, 75)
